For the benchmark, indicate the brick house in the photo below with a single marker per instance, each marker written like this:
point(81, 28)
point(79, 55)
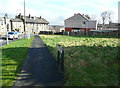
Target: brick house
point(78, 23)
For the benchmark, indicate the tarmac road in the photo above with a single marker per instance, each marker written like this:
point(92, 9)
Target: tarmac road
point(3, 41)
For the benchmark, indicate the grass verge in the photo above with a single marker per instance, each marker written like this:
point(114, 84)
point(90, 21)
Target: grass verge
point(13, 56)
point(89, 61)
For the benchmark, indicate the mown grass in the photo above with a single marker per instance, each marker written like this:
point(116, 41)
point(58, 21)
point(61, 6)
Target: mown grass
point(89, 61)
point(13, 56)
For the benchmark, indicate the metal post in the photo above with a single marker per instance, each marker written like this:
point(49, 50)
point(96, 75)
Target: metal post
point(6, 30)
point(62, 61)
point(118, 29)
point(16, 17)
point(24, 20)
point(7, 36)
point(16, 21)
point(87, 29)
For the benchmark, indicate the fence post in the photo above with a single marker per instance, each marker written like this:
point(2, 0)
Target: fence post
point(62, 61)
point(60, 58)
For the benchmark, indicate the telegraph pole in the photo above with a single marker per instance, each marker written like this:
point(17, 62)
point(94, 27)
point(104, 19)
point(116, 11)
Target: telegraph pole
point(24, 20)
point(5, 21)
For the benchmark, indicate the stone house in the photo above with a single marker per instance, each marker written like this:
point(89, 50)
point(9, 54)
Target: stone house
point(57, 28)
point(4, 24)
point(34, 24)
point(41, 24)
point(30, 24)
point(16, 25)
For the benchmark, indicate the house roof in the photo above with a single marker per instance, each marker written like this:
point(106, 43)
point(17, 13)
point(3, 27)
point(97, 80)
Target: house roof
point(111, 25)
point(78, 17)
point(52, 29)
point(36, 20)
point(106, 30)
point(29, 20)
point(3, 18)
point(41, 20)
point(99, 25)
point(56, 28)
point(16, 20)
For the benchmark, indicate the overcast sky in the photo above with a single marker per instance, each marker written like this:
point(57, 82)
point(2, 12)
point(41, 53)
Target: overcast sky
point(56, 11)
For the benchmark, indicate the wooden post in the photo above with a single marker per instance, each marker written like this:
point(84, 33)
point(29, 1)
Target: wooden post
point(62, 61)
point(118, 29)
point(60, 58)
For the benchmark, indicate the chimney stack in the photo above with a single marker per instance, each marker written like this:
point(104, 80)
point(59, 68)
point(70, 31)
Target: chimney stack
point(29, 16)
point(40, 17)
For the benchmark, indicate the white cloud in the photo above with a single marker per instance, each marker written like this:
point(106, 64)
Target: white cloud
point(10, 6)
point(56, 11)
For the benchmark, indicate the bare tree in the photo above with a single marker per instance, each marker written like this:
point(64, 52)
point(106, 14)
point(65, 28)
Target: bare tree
point(93, 16)
point(109, 16)
point(104, 16)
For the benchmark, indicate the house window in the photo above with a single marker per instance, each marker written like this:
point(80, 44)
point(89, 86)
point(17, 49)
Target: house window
point(83, 22)
point(1, 22)
point(75, 29)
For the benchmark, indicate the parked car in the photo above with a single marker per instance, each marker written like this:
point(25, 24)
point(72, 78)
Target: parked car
point(13, 35)
point(19, 34)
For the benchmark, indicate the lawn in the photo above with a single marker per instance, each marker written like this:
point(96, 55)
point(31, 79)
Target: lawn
point(89, 61)
point(13, 56)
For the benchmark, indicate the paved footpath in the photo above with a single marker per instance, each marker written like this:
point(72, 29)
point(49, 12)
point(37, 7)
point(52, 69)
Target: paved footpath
point(39, 68)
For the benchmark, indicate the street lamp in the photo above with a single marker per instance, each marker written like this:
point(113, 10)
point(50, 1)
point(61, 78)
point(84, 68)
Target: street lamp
point(16, 17)
point(6, 26)
point(24, 19)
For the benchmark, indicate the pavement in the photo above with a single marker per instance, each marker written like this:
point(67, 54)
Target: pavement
point(39, 68)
